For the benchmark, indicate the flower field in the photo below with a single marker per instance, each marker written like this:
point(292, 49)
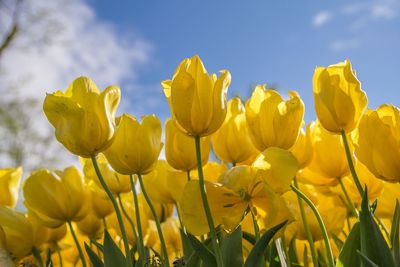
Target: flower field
point(278, 192)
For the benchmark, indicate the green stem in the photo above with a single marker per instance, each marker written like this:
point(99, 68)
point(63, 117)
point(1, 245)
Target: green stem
point(349, 201)
point(105, 224)
point(78, 246)
point(281, 252)
point(206, 206)
point(138, 221)
point(117, 211)
point(179, 216)
point(351, 165)
point(255, 225)
point(38, 257)
point(159, 230)
point(59, 255)
point(306, 227)
point(127, 217)
point(329, 254)
point(188, 175)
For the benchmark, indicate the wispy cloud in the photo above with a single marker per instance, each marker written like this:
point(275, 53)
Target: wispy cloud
point(342, 45)
point(321, 18)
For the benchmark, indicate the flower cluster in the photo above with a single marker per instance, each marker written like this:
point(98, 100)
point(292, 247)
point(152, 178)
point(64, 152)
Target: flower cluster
point(325, 192)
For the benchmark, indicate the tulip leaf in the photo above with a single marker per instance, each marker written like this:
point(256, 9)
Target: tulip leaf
point(394, 234)
point(373, 244)
point(348, 254)
point(338, 242)
point(256, 254)
point(273, 257)
point(232, 249)
point(95, 260)
point(249, 237)
point(97, 244)
point(202, 251)
point(113, 257)
point(365, 261)
point(186, 244)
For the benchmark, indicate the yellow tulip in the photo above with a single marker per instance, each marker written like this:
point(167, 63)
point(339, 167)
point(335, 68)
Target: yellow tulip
point(180, 149)
point(278, 168)
point(116, 182)
point(55, 198)
point(10, 179)
point(387, 200)
point(170, 229)
point(211, 171)
point(101, 204)
point(136, 146)
point(22, 233)
point(91, 225)
point(329, 160)
point(377, 143)
point(56, 234)
point(273, 121)
point(302, 149)
point(338, 97)
point(232, 142)
point(375, 186)
point(334, 221)
point(83, 117)
point(197, 99)
point(164, 184)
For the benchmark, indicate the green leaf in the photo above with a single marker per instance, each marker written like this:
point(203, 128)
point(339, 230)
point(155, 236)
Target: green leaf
point(273, 257)
point(293, 251)
point(49, 262)
point(394, 234)
point(256, 254)
point(348, 255)
point(249, 237)
point(373, 244)
point(97, 244)
point(202, 251)
point(95, 260)
point(365, 261)
point(338, 242)
point(113, 257)
point(231, 249)
point(187, 247)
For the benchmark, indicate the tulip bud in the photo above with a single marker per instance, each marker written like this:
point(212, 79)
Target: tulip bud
point(180, 150)
point(9, 186)
point(338, 97)
point(55, 198)
point(136, 146)
point(83, 117)
point(273, 121)
point(197, 99)
point(378, 142)
point(232, 142)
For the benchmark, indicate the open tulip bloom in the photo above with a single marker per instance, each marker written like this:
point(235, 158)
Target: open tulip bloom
point(278, 192)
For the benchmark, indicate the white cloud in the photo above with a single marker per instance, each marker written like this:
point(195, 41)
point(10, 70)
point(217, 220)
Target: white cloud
point(61, 40)
point(341, 45)
point(321, 18)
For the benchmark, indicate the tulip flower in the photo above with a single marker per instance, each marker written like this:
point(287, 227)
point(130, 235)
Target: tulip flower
point(21, 233)
point(197, 100)
point(55, 198)
point(302, 149)
point(136, 146)
point(338, 97)
point(278, 168)
point(56, 234)
point(91, 225)
point(83, 117)
point(164, 184)
point(180, 149)
point(329, 161)
point(115, 181)
point(211, 171)
point(101, 205)
point(232, 142)
point(273, 121)
point(10, 179)
point(387, 200)
point(377, 144)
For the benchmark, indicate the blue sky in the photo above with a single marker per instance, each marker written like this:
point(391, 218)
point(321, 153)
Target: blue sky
point(273, 42)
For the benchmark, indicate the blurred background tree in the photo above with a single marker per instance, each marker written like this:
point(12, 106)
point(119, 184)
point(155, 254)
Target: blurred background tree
point(23, 142)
